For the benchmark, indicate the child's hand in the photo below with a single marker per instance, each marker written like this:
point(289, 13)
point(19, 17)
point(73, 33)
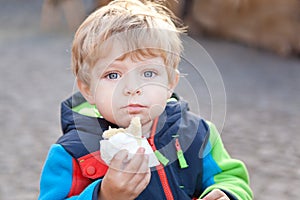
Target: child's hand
point(216, 194)
point(125, 179)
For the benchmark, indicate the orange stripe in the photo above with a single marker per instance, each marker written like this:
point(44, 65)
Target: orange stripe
point(160, 169)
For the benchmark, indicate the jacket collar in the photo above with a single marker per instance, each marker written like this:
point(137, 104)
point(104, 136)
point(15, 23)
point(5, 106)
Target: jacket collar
point(72, 120)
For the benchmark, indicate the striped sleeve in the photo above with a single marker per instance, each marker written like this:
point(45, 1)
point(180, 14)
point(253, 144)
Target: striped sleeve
point(220, 171)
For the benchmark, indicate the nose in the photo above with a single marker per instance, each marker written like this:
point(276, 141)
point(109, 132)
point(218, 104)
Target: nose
point(131, 92)
point(132, 86)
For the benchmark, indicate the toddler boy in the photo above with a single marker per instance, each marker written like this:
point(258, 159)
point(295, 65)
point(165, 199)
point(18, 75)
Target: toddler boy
point(125, 58)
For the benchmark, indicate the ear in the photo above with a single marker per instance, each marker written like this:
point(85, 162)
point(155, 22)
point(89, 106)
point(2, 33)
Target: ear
point(86, 91)
point(174, 82)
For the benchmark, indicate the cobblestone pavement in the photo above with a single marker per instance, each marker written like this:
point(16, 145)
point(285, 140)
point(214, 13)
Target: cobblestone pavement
point(261, 125)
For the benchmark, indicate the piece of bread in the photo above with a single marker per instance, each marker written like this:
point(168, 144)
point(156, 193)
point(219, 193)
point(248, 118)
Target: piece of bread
point(130, 139)
point(112, 131)
point(134, 128)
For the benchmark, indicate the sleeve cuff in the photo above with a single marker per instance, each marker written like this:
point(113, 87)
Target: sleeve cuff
point(231, 196)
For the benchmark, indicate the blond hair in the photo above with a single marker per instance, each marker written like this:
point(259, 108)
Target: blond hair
point(146, 29)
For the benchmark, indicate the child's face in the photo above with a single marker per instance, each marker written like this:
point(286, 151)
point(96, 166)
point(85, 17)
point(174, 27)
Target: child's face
point(126, 89)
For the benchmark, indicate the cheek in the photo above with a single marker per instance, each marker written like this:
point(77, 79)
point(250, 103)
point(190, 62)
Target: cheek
point(107, 101)
point(158, 92)
point(106, 108)
point(156, 110)
point(103, 98)
point(104, 92)
point(157, 99)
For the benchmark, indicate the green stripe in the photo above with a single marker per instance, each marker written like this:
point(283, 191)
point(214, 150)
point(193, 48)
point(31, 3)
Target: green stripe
point(87, 110)
point(162, 159)
point(234, 177)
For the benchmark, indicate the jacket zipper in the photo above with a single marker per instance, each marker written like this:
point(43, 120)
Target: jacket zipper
point(160, 168)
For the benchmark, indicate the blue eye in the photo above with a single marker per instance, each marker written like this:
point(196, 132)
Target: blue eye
point(149, 74)
point(113, 75)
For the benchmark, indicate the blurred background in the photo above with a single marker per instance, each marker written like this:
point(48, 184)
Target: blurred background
point(262, 89)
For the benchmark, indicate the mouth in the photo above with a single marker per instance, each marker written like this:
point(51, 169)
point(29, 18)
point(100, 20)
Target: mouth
point(134, 108)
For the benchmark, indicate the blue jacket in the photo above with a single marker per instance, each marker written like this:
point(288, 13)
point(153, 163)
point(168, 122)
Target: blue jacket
point(74, 170)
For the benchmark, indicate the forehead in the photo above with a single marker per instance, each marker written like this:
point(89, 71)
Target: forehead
point(116, 52)
point(135, 58)
point(127, 62)
point(128, 43)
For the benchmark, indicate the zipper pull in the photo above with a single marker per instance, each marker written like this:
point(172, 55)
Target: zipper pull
point(180, 156)
point(162, 159)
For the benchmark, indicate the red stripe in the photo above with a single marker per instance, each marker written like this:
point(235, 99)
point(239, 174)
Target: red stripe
point(160, 168)
point(78, 181)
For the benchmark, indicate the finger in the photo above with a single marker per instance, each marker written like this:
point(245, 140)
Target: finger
point(144, 181)
point(136, 161)
point(214, 195)
point(223, 198)
point(144, 165)
point(141, 179)
point(142, 174)
point(119, 160)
